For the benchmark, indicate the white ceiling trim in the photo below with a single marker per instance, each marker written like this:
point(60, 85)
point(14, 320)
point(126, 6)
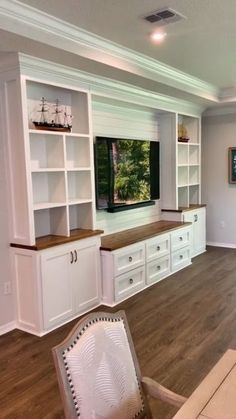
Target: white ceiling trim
point(27, 21)
point(228, 95)
point(220, 110)
point(100, 86)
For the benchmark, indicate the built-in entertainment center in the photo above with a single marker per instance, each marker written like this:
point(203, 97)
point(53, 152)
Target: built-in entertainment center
point(85, 202)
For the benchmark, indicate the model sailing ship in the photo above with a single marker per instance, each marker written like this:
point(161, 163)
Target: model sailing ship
point(182, 134)
point(58, 123)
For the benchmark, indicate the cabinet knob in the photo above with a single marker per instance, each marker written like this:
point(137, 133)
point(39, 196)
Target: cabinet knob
point(71, 257)
point(76, 256)
point(130, 258)
point(131, 281)
point(181, 238)
point(158, 267)
point(181, 256)
point(195, 218)
point(158, 248)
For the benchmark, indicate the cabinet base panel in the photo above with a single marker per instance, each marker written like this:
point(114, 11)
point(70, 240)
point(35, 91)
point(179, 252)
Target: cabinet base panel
point(39, 333)
point(198, 253)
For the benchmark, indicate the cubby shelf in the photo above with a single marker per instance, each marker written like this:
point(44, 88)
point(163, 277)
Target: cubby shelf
point(60, 162)
point(181, 187)
point(189, 154)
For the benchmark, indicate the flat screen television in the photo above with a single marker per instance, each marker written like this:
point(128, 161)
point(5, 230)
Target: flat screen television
point(127, 173)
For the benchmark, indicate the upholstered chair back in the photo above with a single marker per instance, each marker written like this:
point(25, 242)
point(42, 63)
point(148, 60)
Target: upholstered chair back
point(98, 370)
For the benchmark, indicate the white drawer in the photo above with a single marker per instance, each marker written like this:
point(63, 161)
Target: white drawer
point(158, 246)
point(158, 269)
point(180, 238)
point(128, 283)
point(180, 258)
point(129, 257)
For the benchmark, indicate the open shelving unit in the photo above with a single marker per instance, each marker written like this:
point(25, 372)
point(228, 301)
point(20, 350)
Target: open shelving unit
point(61, 162)
point(181, 178)
point(188, 162)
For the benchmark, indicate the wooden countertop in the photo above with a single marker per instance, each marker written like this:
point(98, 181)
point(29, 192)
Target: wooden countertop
point(125, 238)
point(51, 240)
point(183, 209)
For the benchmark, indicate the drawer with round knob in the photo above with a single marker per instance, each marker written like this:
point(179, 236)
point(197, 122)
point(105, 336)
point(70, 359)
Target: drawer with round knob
point(180, 258)
point(180, 238)
point(128, 258)
point(158, 269)
point(158, 246)
point(129, 283)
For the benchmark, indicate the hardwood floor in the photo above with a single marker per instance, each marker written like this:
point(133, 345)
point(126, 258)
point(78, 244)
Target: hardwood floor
point(180, 327)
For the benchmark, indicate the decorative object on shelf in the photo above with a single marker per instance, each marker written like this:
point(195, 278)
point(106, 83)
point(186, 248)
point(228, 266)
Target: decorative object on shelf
point(182, 134)
point(232, 164)
point(55, 124)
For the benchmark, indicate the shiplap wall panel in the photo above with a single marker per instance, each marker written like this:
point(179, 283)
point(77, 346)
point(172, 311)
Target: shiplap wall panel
point(124, 122)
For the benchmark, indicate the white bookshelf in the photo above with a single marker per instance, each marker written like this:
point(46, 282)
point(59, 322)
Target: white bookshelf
point(61, 162)
point(188, 162)
point(52, 170)
point(181, 179)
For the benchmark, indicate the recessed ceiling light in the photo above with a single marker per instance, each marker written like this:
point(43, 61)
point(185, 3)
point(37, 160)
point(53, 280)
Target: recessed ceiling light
point(158, 36)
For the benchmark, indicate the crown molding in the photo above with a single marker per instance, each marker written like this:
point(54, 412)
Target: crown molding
point(32, 23)
point(220, 110)
point(227, 95)
point(102, 87)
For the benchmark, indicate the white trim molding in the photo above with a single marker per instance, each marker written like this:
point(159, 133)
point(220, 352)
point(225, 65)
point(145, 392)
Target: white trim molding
point(8, 327)
point(35, 24)
point(220, 110)
point(103, 87)
point(227, 245)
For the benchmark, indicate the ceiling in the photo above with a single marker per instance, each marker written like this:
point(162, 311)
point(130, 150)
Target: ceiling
point(201, 45)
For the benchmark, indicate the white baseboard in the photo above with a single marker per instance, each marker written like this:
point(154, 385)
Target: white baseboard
point(229, 245)
point(7, 327)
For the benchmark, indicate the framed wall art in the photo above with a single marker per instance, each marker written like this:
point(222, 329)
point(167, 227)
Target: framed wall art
point(232, 164)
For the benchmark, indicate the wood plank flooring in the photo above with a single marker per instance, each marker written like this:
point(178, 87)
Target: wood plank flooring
point(180, 327)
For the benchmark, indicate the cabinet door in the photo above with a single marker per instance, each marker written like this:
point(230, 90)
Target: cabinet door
point(57, 293)
point(198, 220)
point(86, 274)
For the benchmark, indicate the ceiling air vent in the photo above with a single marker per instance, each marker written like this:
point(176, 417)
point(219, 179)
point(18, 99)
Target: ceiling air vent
point(164, 16)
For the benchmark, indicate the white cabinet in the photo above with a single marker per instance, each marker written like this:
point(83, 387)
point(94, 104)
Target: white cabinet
point(196, 215)
point(132, 268)
point(56, 284)
point(180, 248)
point(198, 219)
point(123, 272)
point(157, 258)
point(51, 198)
point(86, 277)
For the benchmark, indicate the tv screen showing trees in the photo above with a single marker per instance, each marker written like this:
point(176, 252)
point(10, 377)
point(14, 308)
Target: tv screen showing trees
point(127, 172)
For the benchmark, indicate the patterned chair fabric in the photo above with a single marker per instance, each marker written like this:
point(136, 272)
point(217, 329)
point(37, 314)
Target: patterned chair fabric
point(98, 370)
